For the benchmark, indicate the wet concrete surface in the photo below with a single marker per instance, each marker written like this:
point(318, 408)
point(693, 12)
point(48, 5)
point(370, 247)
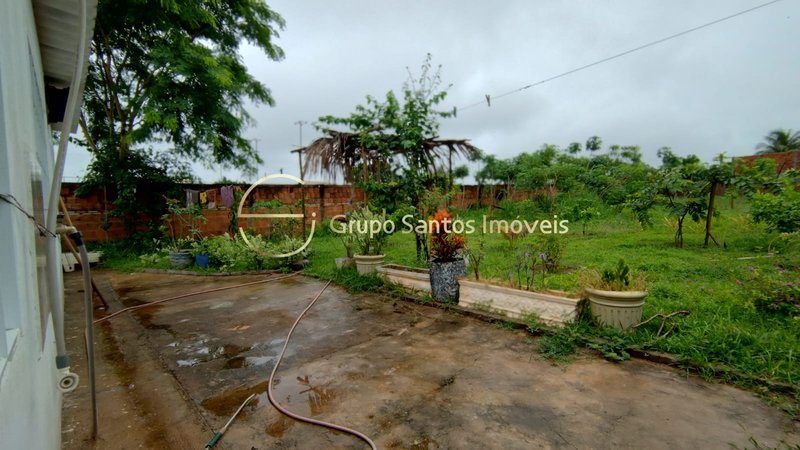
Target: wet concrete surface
point(408, 376)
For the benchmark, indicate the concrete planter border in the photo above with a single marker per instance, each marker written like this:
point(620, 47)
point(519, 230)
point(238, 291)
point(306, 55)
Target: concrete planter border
point(409, 277)
point(516, 303)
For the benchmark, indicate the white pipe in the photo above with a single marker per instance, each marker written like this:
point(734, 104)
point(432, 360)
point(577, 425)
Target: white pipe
point(54, 284)
point(89, 317)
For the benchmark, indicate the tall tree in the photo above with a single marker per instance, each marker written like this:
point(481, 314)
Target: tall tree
point(396, 138)
point(779, 140)
point(594, 144)
point(170, 71)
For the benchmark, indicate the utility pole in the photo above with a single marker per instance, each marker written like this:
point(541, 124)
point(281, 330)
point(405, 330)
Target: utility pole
point(299, 151)
point(256, 141)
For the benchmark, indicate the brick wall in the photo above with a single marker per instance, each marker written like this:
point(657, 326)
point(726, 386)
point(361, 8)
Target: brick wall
point(784, 160)
point(89, 213)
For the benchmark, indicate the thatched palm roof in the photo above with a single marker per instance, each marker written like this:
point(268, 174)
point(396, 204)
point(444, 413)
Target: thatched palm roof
point(341, 152)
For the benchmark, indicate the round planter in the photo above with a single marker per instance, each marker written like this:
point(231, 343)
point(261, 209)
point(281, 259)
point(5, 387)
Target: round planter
point(366, 264)
point(619, 309)
point(180, 259)
point(201, 259)
point(444, 279)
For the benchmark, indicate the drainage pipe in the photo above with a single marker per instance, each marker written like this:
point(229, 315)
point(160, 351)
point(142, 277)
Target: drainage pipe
point(294, 416)
point(54, 281)
point(88, 315)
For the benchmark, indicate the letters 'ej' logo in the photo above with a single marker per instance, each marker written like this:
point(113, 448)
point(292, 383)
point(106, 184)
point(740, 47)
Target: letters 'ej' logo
point(273, 216)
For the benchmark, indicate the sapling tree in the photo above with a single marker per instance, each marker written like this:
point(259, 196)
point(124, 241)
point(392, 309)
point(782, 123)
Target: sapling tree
point(681, 190)
point(718, 174)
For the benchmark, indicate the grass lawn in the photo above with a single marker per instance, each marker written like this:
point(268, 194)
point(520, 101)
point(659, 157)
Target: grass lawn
point(712, 283)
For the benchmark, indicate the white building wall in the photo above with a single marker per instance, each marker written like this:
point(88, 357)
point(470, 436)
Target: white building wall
point(30, 402)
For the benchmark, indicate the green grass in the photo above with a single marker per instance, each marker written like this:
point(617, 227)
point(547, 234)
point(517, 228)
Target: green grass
point(723, 327)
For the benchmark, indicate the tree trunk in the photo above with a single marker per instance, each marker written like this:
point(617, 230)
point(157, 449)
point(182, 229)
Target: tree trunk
point(709, 215)
point(679, 233)
point(422, 247)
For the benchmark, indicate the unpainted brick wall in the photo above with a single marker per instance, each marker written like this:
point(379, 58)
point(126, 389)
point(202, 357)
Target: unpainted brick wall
point(90, 212)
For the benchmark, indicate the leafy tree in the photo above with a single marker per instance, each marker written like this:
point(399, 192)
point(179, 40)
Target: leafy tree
point(614, 151)
point(168, 71)
point(460, 172)
point(760, 176)
point(583, 211)
point(718, 174)
point(594, 144)
point(398, 134)
point(632, 153)
point(574, 148)
point(682, 190)
point(669, 159)
point(779, 140)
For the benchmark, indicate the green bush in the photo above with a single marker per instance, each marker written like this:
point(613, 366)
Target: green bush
point(779, 212)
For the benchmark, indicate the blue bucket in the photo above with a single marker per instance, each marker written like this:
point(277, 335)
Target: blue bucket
point(201, 259)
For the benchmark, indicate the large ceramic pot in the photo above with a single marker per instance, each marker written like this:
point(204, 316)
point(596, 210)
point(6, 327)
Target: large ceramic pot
point(619, 309)
point(444, 279)
point(180, 259)
point(366, 264)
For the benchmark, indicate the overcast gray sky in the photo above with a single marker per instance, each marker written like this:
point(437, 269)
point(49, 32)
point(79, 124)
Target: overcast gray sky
point(719, 89)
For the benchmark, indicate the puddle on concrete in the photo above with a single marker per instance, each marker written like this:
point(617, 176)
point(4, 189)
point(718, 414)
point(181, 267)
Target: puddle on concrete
point(232, 350)
point(300, 395)
point(226, 403)
point(247, 361)
point(279, 425)
point(221, 305)
point(235, 363)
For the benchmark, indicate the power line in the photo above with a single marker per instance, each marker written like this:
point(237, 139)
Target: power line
point(489, 98)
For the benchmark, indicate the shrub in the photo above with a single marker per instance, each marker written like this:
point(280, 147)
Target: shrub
point(773, 294)
point(445, 245)
point(779, 212)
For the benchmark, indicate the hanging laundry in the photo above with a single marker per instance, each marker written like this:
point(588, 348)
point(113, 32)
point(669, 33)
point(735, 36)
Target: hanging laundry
point(226, 192)
point(192, 198)
point(203, 198)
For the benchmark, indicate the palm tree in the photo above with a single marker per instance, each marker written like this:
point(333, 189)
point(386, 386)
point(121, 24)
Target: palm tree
point(779, 140)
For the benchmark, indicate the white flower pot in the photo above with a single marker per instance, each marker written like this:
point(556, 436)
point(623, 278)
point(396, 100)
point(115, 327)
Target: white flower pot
point(619, 309)
point(366, 264)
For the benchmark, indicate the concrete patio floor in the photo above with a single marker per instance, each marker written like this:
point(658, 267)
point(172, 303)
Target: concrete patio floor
point(408, 376)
